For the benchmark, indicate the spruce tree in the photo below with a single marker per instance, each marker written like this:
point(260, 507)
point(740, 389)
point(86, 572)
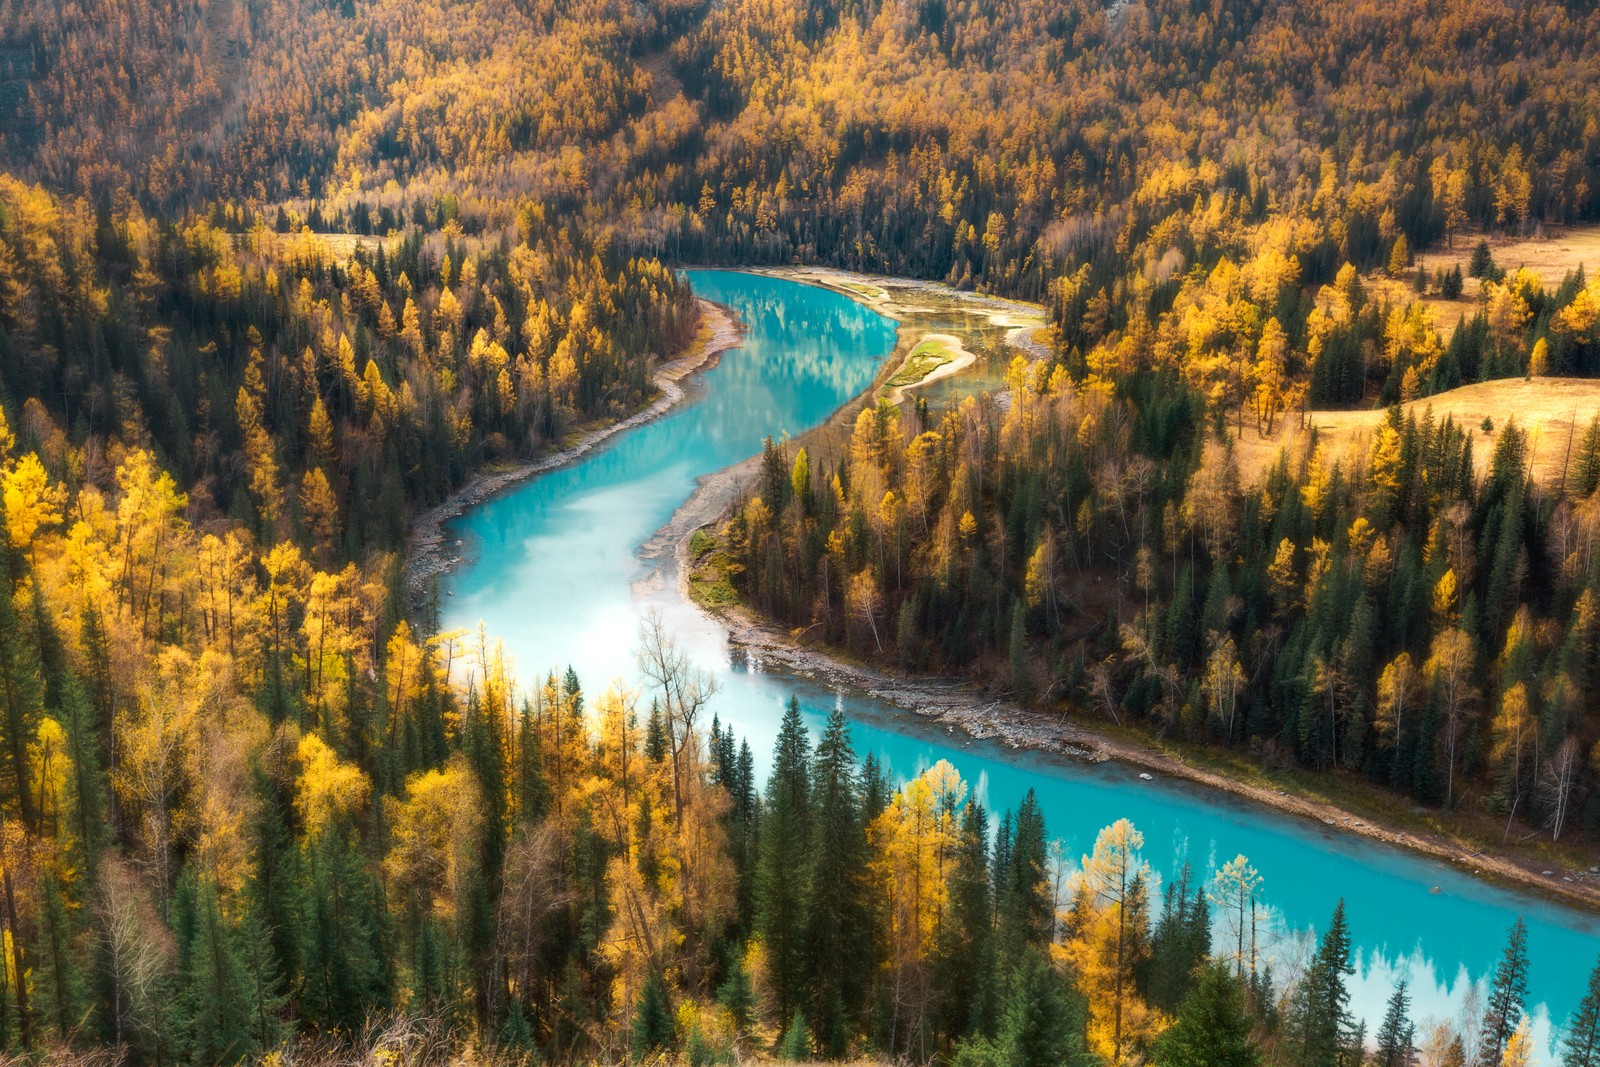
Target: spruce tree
point(837, 921)
point(214, 989)
point(652, 1018)
point(1395, 1036)
point(1319, 1014)
point(1037, 1027)
point(1508, 992)
point(783, 877)
point(1580, 1045)
point(1025, 910)
point(738, 997)
point(1211, 1029)
point(1180, 943)
point(966, 945)
point(21, 696)
point(346, 950)
point(1482, 262)
point(60, 997)
point(795, 1044)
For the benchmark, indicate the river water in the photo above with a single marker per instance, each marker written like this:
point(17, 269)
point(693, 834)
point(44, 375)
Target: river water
point(555, 572)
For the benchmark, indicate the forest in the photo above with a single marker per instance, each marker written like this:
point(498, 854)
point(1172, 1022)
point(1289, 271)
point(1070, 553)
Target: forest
point(277, 277)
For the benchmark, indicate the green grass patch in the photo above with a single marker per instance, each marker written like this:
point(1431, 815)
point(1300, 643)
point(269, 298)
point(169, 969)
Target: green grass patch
point(708, 575)
point(713, 592)
point(869, 291)
point(924, 359)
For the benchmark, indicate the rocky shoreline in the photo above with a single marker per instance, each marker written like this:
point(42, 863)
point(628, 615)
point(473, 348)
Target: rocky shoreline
point(956, 704)
point(430, 553)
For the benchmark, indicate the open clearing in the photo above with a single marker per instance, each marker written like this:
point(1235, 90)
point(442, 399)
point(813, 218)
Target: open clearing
point(1553, 412)
point(1552, 257)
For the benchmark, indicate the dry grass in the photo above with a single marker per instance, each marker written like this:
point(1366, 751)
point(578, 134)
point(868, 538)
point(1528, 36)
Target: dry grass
point(1553, 411)
point(1551, 256)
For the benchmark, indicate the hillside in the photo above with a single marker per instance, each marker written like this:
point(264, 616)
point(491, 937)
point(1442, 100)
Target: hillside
point(276, 278)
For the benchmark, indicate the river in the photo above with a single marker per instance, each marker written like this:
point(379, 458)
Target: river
point(555, 571)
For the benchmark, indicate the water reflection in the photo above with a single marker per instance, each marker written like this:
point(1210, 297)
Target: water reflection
point(555, 568)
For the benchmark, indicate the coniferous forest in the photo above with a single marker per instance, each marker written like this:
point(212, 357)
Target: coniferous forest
point(278, 276)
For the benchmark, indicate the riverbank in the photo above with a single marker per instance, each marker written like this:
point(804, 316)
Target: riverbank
point(956, 704)
point(429, 553)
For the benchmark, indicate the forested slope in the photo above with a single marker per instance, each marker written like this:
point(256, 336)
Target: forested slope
point(275, 275)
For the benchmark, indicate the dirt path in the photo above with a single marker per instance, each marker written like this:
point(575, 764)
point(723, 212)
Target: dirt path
point(429, 552)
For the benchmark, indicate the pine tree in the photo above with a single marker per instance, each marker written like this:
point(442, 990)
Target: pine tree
point(1580, 1045)
point(783, 878)
point(1395, 1037)
point(214, 988)
point(1212, 1029)
point(1319, 1015)
point(1037, 1027)
point(1508, 992)
point(652, 1018)
point(837, 918)
point(966, 948)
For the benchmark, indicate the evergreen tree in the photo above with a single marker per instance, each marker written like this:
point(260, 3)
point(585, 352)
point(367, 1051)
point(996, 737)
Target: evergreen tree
point(1580, 1045)
point(1395, 1036)
point(347, 950)
point(1038, 1027)
point(21, 695)
point(60, 996)
point(783, 877)
point(837, 918)
point(1180, 943)
point(1025, 915)
point(1319, 1016)
point(652, 1018)
point(966, 947)
point(1482, 262)
point(1508, 991)
point(1211, 1029)
point(795, 1044)
point(738, 997)
point(215, 1004)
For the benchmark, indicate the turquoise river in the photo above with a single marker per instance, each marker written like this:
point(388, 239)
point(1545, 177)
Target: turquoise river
point(555, 570)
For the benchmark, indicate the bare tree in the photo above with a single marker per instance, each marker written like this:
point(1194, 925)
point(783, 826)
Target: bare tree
point(1556, 786)
point(682, 688)
point(137, 950)
point(533, 892)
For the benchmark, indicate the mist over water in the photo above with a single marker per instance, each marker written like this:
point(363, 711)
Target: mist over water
point(555, 573)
